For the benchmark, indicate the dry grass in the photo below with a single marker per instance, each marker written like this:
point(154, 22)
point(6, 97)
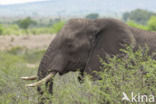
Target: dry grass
point(27, 41)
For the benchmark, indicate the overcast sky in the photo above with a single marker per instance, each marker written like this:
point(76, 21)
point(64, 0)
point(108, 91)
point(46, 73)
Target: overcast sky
point(7, 2)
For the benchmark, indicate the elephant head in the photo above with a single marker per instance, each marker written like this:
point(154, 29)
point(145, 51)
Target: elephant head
point(79, 45)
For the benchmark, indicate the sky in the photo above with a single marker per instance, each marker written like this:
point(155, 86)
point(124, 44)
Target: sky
point(66, 8)
point(8, 2)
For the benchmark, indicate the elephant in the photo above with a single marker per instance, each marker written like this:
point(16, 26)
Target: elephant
point(80, 43)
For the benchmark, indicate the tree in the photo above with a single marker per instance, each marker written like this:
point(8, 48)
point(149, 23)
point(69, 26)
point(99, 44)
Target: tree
point(140, 16)
point(92, 16)
point(25, 23)
point(125, 16)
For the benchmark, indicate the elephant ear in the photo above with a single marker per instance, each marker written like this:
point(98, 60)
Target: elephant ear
point(110, 38)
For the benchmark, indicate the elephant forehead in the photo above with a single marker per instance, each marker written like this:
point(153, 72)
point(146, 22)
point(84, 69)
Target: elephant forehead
point(69, 36)
point(68, 30)
point(74, 28)
point(79, 21)
point(70, 33)
point(75, 24)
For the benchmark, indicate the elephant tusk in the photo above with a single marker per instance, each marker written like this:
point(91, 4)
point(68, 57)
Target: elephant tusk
point(49, 76)
point(29, 78)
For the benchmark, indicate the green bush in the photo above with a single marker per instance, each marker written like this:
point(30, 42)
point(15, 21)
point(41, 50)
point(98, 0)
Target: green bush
point(1, 29)
point(152, 23)
point(57, 27)
point(15, 63)
point(12, 89)
point(13, 29)
point(135, 72)
point(133, 24)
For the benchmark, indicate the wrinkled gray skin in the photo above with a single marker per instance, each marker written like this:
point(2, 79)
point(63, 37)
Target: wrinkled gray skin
point(81, 42)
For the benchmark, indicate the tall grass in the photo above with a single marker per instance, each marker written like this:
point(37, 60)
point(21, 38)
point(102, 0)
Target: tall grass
point(136, 72)
point(13, 65)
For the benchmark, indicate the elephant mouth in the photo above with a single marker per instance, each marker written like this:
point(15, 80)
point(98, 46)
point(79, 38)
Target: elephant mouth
point(40, 82)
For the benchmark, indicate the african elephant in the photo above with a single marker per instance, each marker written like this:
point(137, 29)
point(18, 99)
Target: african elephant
point(81, 42)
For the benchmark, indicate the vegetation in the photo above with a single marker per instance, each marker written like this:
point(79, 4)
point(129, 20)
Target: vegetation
point(25, 23)
point(92, 16)
point(151, 24)
point(1, 29)
point(139, 16)
point(57, 27)
point(134, 73)
point(28, 26)
point(15, 63)
point(139, 26)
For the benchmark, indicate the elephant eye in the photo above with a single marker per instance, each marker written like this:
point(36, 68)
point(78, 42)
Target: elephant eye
point(70, 45)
